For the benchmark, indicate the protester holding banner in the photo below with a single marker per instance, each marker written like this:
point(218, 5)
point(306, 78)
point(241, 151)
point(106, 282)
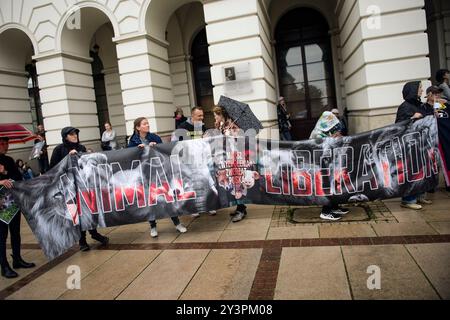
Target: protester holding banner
point(143, 137)
point(195, 129)
point(328, 125)
point(410, 109)
point(10, 172)
point(227, 127)
point(71, 145)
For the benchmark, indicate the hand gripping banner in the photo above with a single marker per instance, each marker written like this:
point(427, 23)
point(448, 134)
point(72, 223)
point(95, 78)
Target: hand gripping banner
point(134, 185)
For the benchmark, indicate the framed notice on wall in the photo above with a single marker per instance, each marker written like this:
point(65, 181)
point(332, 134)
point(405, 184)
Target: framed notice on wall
point(237, 79)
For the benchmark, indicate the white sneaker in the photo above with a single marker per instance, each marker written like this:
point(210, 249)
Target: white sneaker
point(181, 228)
point(195, 215)
point(212, 212)
point(153, 232)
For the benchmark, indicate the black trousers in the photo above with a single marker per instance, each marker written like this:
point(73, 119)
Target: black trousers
point(91, 232)
point(14, 228)
point(43, 164)
point(329, 208)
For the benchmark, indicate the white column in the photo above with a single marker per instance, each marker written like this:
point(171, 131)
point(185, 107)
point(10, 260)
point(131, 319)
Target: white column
point(238, 33)
point(68, 97)
point(146, 83)
point(114, 99)
point(180, 76)
point(15, 107)
point(380, 54)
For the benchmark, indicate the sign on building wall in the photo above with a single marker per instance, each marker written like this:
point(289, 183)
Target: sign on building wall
point(237, 79)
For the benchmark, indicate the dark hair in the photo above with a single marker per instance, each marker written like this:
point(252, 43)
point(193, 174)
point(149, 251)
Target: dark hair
point(137, 123)
point(440, 75)
point(107, 122)
point(19, 160)
point(196, 108)
point(4, 139)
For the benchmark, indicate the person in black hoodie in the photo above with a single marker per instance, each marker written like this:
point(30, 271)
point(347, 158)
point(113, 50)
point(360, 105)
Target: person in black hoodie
point(71, 145)
point(9, 171)
point(411, 108)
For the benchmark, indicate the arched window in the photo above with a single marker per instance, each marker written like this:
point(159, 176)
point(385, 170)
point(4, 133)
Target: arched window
point(305, 67)
point(202, 76)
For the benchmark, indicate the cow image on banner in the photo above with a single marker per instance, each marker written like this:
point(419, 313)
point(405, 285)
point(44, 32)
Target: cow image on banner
point(135, 185)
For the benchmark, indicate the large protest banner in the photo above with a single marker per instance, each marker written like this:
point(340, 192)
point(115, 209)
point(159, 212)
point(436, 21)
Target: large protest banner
point(135, 185)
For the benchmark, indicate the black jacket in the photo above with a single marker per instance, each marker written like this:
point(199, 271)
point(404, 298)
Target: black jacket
point(412, 103)
point(63, 149)
point(283, 121)
point(11, 168)
point(189, 127)
point(427, 109)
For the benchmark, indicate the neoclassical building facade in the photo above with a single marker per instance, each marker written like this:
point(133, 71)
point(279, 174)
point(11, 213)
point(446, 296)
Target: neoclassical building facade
point(81, 63)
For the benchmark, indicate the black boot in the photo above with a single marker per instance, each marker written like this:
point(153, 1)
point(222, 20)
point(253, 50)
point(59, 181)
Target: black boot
point(98, 237)
point(83, 245)
point(20, 263)
point(7, 272)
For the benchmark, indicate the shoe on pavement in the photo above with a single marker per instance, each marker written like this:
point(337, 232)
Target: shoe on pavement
point(8, 273)
point(341, 211)
point(195, 215)
point(238, 216)
point(424, 201)
point(102, 239)
point(20, 263)
point(181, 228)
point(413, 206)
point(153, 232)
point(212, 212)
point(330, 216)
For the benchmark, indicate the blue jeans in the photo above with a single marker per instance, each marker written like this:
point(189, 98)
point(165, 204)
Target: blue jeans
point(286, 136)
point(411, 199)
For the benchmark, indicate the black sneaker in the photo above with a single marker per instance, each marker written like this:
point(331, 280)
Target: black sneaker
point(341, 211)
point(330, 216)
point(84, 246)
point(102, 239)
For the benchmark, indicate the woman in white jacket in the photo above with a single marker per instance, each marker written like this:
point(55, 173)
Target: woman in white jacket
point(109, 138)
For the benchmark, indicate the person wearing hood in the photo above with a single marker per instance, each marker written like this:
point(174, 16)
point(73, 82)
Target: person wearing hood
point(71, 145)
point(141, 138)
point(8, 173)
point(411, 109)
point(328, 125)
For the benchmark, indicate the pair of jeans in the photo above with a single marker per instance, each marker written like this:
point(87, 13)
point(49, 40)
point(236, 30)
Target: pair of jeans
point(286, 136)
point(175, 220)
point(412, 199)
point(14, 228)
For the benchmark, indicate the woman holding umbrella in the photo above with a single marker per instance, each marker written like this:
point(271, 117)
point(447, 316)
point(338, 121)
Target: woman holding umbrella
point(227, 127)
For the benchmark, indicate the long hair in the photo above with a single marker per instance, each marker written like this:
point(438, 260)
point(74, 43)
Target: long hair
point(137, 123)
